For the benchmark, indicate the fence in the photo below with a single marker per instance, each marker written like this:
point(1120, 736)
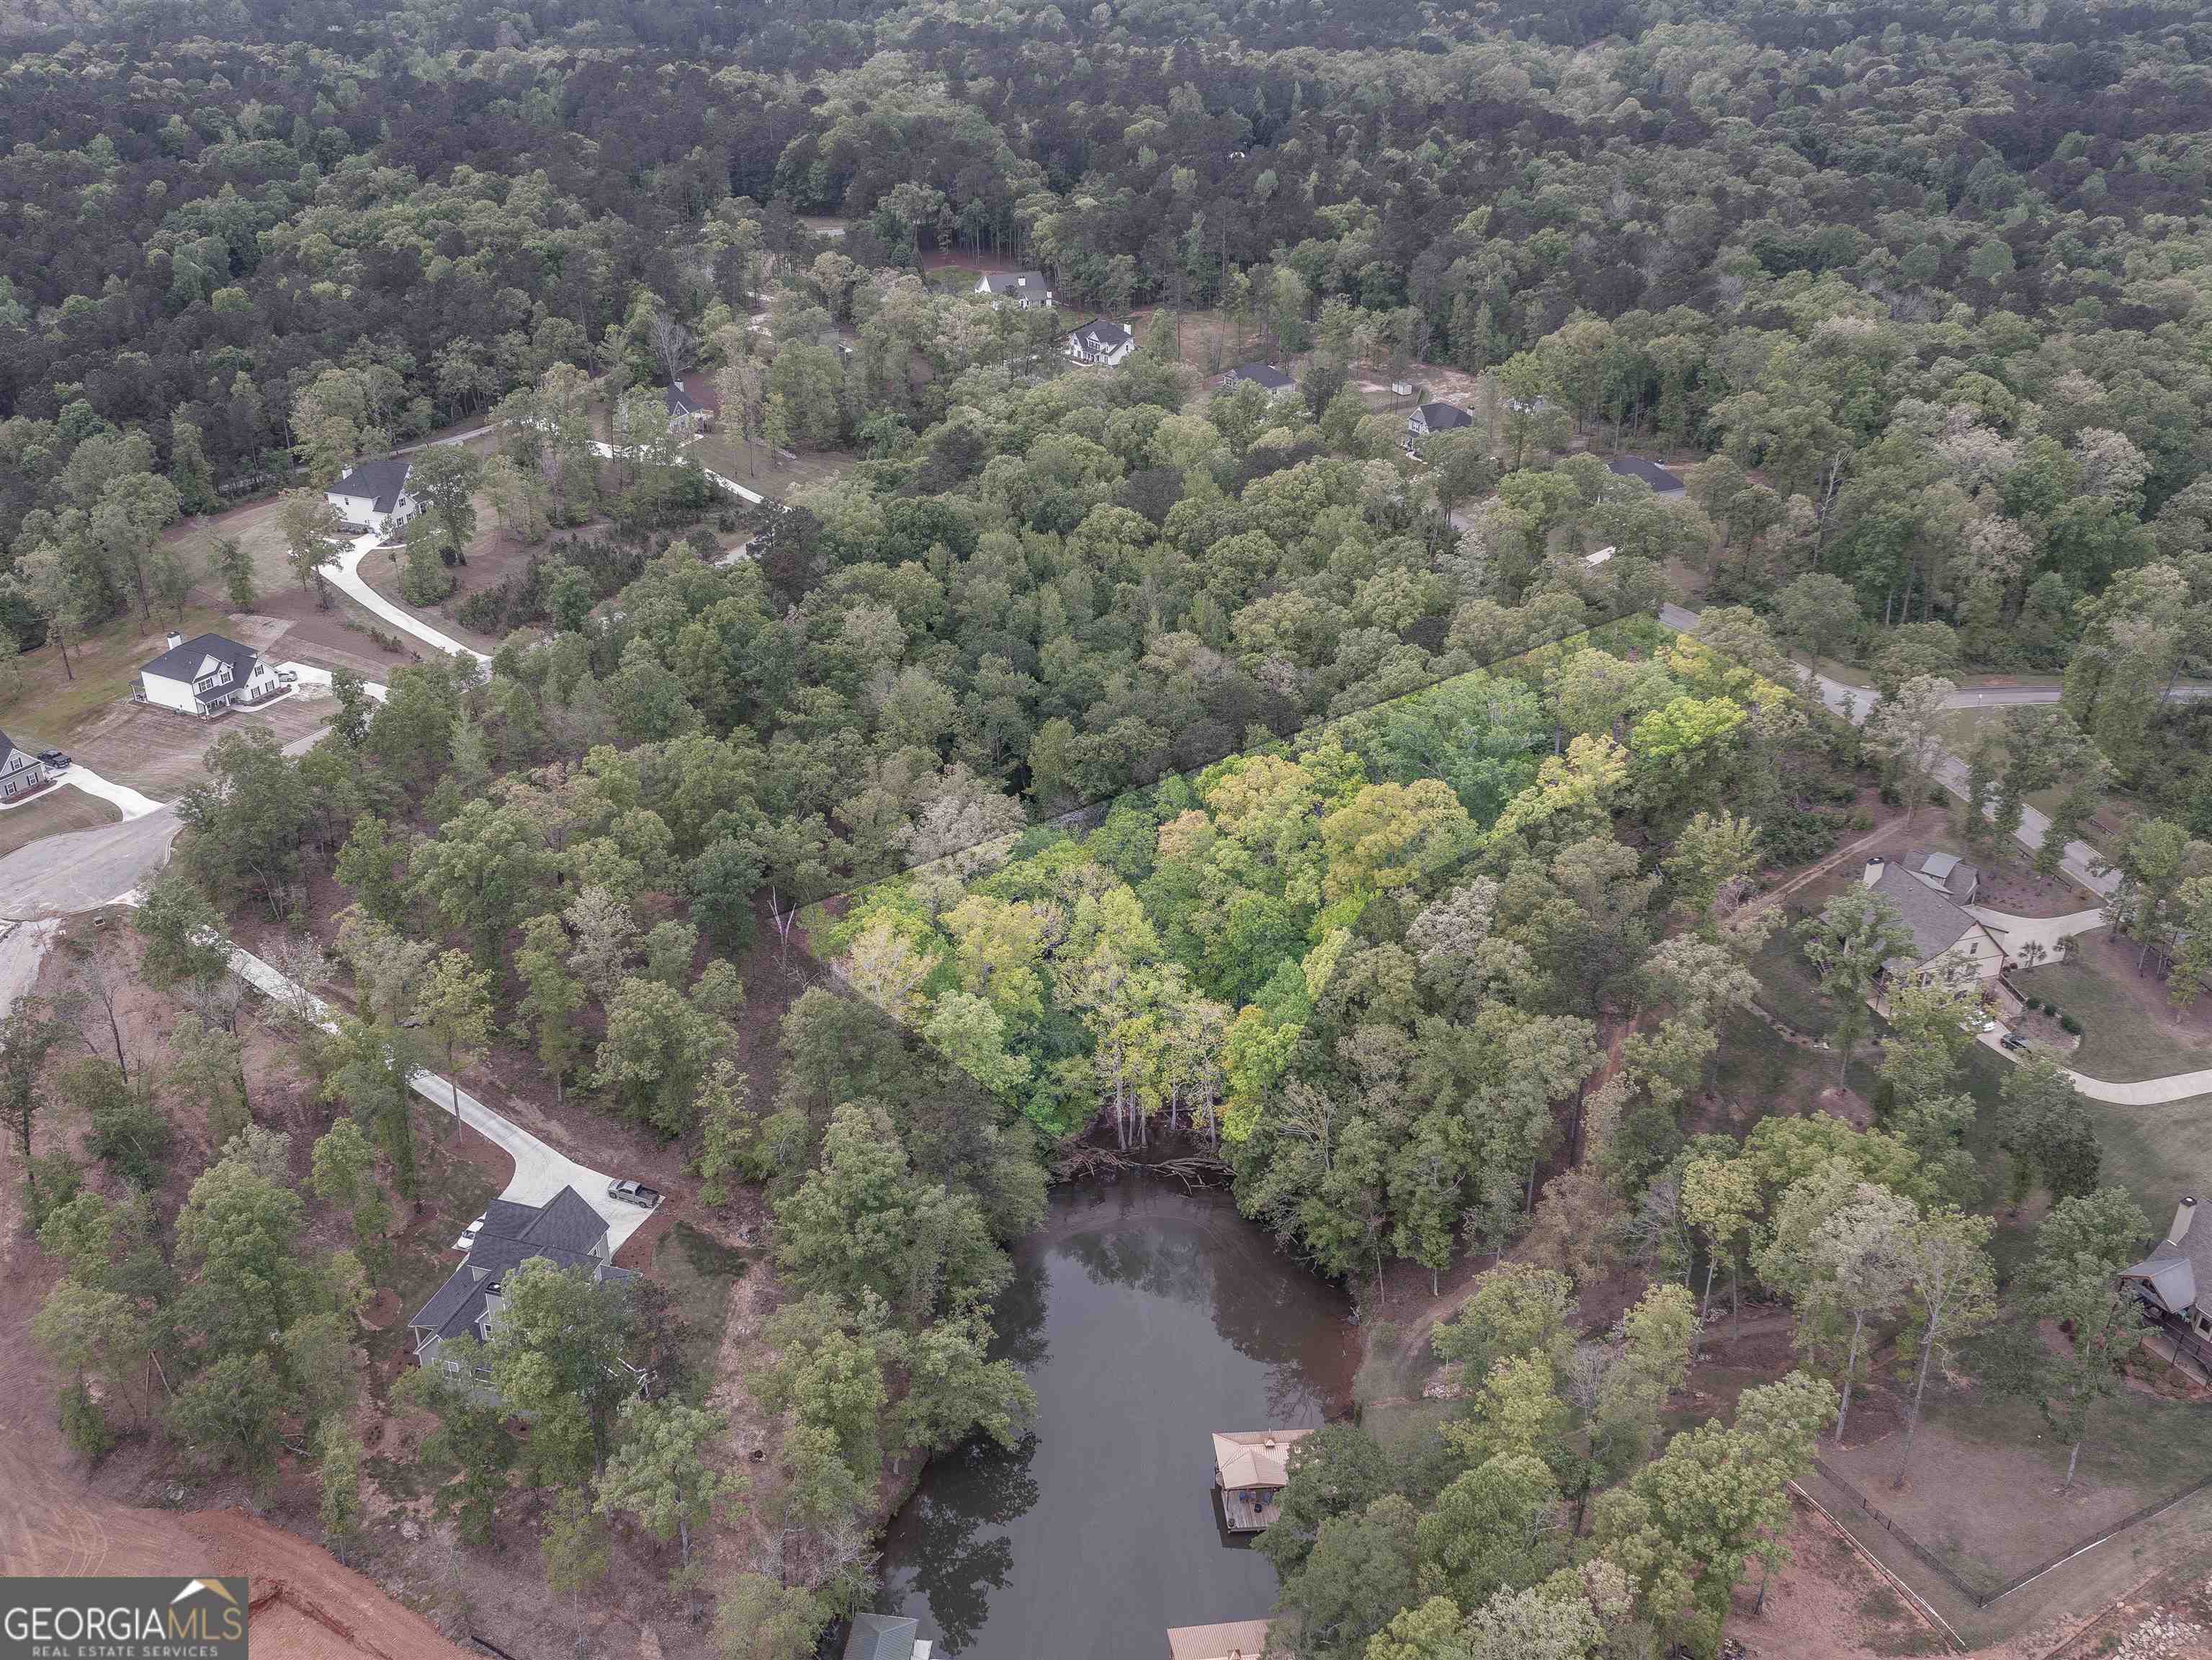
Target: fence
point(1929, 1560)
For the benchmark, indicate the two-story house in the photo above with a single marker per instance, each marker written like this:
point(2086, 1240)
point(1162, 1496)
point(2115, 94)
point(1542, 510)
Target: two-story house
point(1026, 289)
point(1428, 418)
point(373, 494)
point(1100, 342)
point(208, 675)
point(565, 1231)
point(21, 773)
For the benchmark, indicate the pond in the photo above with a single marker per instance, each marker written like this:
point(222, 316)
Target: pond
point(1145, 1319)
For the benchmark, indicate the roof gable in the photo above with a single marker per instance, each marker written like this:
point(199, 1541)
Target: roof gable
point(188, 661)
point(1445, 418)
point(881, 1637)
point(1262, 374)
point(568, 1222)
point(380, 481)
point(1638, 466)
point(1936, 923)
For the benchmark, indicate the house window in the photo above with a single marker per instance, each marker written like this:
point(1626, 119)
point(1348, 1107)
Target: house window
point(484, 1374)
point(453, 1369)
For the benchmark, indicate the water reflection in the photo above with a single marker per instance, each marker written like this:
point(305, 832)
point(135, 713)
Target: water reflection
point(1145, 1318)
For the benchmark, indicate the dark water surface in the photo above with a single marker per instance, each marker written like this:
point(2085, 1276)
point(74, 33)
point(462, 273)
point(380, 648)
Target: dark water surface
point(1146, 1318)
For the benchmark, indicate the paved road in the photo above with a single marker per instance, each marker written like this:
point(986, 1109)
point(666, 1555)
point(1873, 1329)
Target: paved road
point(540, 1171)
point(2081, 865)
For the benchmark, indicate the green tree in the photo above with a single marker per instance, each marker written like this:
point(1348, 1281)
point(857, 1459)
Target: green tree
point(550, 998)
point(1359, 1575)
point(312, 534)
point(558, 1353)
point(2103, 1321)
point(574, 1549)
point(659, 1472)
point(1950, 1290)
point(1856, 933)
point(471, 1443)
point(230, 565)
point(455, 1002)
point(207, 1072)
point(1906, 729)
point(481, 871)
point(338, 1475)
point(657, 1050)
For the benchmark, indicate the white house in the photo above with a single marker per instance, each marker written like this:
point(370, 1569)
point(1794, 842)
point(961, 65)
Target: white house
point(691, 405)
point(1435, 418)
point(1026, 289)
point(373, 494)
point(1100, 342)
point(21, 773)
point(208, 675)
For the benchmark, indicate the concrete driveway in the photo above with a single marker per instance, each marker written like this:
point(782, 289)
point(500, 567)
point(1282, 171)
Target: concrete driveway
point(540, 1171)
point(345, 575)
point(2015, 931)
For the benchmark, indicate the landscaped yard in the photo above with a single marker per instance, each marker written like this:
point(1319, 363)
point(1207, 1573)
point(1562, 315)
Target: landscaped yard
point(105, 664)
point(59, 809)
point(2127, 1031)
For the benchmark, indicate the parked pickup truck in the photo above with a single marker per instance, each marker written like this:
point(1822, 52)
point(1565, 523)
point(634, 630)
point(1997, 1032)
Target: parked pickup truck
point(633, 1193)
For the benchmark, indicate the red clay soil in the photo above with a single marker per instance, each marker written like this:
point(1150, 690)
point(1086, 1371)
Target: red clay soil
point(52, 1524)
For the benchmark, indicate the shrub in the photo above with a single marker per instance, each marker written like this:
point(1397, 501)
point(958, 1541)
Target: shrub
point(1862, 820)
point(2067, 1023)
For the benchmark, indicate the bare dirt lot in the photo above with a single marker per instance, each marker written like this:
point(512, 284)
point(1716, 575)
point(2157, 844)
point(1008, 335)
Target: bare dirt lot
point(159, 752)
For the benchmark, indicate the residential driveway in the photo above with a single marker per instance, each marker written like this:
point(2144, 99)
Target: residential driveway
point(345, 575)
point(2145, 1092)
point(125, 799)
point(539, 1170)
point(2015, 931)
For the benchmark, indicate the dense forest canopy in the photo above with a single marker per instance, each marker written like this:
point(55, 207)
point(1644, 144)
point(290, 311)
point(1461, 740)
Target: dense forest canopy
point(1148, 756)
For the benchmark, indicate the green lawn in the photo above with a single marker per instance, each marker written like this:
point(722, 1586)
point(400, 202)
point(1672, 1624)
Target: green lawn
point(2121, 1040)
point(698, 1270)
point(2156, 1152)
point(102, 668)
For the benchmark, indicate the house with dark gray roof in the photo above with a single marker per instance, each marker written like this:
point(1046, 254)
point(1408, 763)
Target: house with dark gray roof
point(1948, 874)
point(1025, 289)
point(208, 675)
point(21, 773)
point(565, 1231)
point(1946, 938)
point(373, 494)
point(1426, 418)
point(1100, 343)
point(885, 1637)
point(1266, 376)
point(2174, 1282)
point(1662, 482)
point(691, 403)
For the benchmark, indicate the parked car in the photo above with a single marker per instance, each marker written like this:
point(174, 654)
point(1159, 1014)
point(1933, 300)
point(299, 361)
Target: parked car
point(2014, 1041)
point(55, 760)
point(633, 1193)
point(469, 1235)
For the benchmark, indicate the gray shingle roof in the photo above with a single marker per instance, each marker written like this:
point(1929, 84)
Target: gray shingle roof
point(1637, 466)
point(183, 662)
point(1935, 922)
point(567, 1223)
point(1262, 374)
point(1021, 284)
point(382, 480)
point(881, 1637)
point(1445, 418)
point(562, 1231)
point(2180, 1274)
point(1102, 335)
